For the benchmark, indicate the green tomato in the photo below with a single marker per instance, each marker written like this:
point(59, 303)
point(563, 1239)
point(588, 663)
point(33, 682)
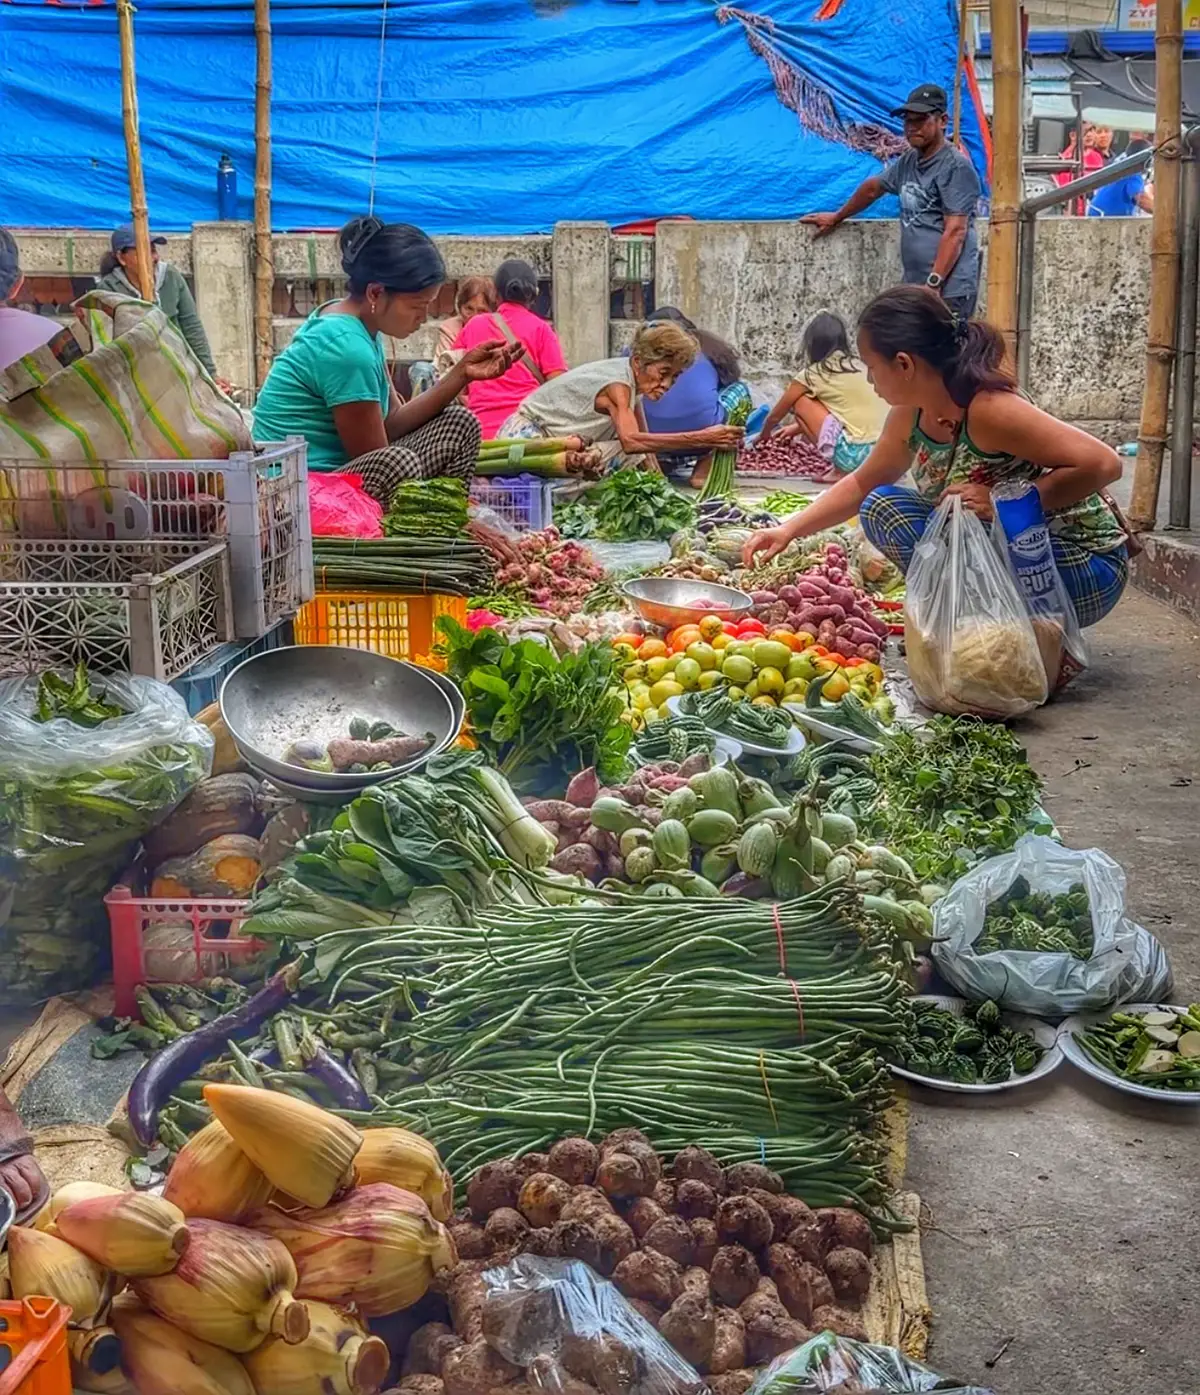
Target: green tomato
point(737, 668)
point(688, 673)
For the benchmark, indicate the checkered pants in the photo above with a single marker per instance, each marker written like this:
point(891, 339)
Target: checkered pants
point(447, 444)
point(894, 518)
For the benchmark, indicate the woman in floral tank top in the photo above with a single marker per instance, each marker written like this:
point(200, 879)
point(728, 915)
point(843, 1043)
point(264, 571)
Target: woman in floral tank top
point(959, 425)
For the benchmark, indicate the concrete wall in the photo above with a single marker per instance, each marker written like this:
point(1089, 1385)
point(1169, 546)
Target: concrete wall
point(754, 283)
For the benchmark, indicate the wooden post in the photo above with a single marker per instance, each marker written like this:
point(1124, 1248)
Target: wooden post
point(1164, 264)
point(1006, 170)
point(133, 151)
point(264, 252)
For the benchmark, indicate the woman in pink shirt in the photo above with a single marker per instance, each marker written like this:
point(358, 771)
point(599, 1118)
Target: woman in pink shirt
point(513, 319)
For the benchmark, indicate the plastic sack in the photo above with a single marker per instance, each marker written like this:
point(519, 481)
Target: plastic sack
point(564, 1324)
point(1127, 962)
point(74, 802)
point(341, 508)
point(967, 636)
point(847, 1367)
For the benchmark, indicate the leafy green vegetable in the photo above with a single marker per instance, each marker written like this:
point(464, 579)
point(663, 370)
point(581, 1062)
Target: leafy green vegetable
point(538, 717)
point(436, 507)
point(577, 520)
point(639, 506)
point(75, 701)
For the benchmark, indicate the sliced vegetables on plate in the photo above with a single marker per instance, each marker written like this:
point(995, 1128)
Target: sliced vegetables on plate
point(1147, 1049)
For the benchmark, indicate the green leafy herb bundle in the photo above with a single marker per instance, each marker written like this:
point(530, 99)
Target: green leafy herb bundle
point(434, 508)
point(640, 506)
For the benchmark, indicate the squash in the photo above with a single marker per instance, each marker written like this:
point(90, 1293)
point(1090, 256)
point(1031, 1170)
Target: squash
point(226, 757)
point(227, 867)
point(219, 805)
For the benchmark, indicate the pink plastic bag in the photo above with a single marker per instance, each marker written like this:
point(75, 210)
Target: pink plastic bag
point(341, 508)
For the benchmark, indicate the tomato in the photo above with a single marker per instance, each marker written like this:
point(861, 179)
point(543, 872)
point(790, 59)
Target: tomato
point(751, 626)
point(729, 627)
point(818, 649)
point(787, 637)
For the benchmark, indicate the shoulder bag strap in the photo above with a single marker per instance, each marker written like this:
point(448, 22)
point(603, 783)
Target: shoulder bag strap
point(526, 357)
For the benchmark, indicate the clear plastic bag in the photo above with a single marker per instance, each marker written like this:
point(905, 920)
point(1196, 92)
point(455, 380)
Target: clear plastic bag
point(969, 642)
point(74, 802)
point(1127, 963)
point(842, 1365)
point(564, 1324)
point(1052, 614)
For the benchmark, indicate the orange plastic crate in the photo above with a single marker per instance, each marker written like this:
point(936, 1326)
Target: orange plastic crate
point(388, 622)
point(33, 1348)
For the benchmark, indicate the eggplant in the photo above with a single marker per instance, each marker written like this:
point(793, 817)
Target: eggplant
point(183, 1057)
point(343, 1083)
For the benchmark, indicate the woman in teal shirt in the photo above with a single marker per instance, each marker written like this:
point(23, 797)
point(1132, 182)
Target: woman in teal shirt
point(331, 384)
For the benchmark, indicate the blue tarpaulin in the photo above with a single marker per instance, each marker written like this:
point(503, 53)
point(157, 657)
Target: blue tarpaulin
point(472, 116)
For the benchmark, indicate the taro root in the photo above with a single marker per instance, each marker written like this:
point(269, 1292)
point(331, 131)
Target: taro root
point(789, 1212)
point(540, 1242)
point(786, 1269)
point(742, 1176)
point(689, 1324)
point(818, 1285)
point(694, 1198)
point(470, 1239)
point(805, 1239)
point(642, 1213)
point(629, 1171)
point(529, 1163)
point(770, 1204)
point(418, 1383)
point(664, 1194)
point(734, 1275)
point(505, 1229)
point(841, 1321)
point(614, 1238)
point(732, 1382)
point(542, 1198)
point(546, 1374)
point(517, 1321)
point(575, 1240)
point(620, 1137)
point(496, 1184)
point(672, 1237)
point(768, 1336)
point(427, 1348)
point(729, 1342)
point(705, 1241)
point(843, 1228)
point(465, 1294)
point(849, 1274)
point(698, 1165)
point(474, 1366)
point(652, 1314)
point(650, 1275)
point(764, 1299)
point(600, 1359)
point(574, 1160)
point(696, 1281)
point(742, 1221)
point(585, 1203)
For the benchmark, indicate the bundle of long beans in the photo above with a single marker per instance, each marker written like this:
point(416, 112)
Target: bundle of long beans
point(414, 563)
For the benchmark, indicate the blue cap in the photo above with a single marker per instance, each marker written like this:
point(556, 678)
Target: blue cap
point(123, 239)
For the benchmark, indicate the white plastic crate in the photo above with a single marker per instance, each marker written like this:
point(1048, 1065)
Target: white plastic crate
point(524, 502)
point(153, 607)
point(257, 501)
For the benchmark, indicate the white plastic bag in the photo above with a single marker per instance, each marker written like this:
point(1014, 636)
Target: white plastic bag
point(968, 638)
point(1127, 963)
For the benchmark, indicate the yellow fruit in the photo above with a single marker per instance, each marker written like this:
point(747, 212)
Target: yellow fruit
point(704, 654)
point(721, 641)
point(770, 680)
point(377, 1248)
point(337, 1357)
point(656, 668)
point(163, 1360)
point(133, 1234)
point(641, 699)
point(763, 700)
point(801, 666)
point(735, 693)
point(835, 687)
point(232, 1287)
point(687, 673)
point(673, 662)
point(634, 671)
point(626, 653)
point(408, 1161)
point(665, 688)
point(737, 668)
point(710, 627)
point(769, 653)
point(664, 712)
point(752, 689)
point(795, 687)
point(712, 679)
point(41, 1265)
point(742, 648)
point(305, 1152)
point(67, 1196)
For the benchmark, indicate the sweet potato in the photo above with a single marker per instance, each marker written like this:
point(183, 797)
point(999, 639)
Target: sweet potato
point(344, 752)
point(584, 788)
point(529, 1163)
point(559, 811)
point(664, 1194)
point(652, 1314)
point(579, 859)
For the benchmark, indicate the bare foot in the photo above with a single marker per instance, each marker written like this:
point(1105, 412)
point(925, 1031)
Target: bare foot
point(22, 1178)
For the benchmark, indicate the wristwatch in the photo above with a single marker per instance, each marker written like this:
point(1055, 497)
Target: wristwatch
point(934, 281)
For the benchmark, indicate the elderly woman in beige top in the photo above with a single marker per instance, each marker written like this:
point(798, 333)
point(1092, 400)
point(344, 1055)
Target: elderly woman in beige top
point(597, 405)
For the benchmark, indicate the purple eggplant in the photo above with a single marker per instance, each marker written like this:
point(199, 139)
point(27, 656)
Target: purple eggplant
point(342, 1083)
point(180, 1059)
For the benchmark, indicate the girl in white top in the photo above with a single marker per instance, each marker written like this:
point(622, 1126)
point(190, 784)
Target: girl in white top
point(598, 404)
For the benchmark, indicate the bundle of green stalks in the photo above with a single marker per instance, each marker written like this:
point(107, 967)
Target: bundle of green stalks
point(545, 456)
point(418, 564)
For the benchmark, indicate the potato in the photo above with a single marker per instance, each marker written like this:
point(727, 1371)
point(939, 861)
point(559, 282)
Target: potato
point(574, 1160)
point(734, 1275)
point(742, 1221)
point(542, 1198)
point(849, 1274)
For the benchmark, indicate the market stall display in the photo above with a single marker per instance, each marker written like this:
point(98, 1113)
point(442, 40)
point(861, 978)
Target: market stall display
point(1145, 1049)
point(974, 1048)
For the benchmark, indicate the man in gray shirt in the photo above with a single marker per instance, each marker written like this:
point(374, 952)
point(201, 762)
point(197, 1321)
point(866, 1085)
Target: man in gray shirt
point(938, 191)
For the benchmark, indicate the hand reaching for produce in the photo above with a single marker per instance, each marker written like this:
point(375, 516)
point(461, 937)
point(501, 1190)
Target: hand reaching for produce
point(768, 543)
point(722, 437)
point(495, 542)
point(976, 497)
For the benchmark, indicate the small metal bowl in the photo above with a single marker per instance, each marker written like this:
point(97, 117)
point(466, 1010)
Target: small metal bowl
point(670, 601)
point(312, 691)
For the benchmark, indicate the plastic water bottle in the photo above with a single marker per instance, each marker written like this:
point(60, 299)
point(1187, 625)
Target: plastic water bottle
point(226, 190)
point(1018, 507)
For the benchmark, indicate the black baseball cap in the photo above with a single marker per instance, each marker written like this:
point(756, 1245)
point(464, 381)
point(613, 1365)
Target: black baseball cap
point(123, 239)
point(923, 100)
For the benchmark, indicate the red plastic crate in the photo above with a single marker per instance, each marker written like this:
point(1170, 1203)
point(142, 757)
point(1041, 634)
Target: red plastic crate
point(130, 916)
point(33, 1347)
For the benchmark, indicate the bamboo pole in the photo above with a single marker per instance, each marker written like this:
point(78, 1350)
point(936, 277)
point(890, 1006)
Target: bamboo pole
point(264, 252)
point(1006, 170)
point(1164, 264)
point(133, 151)
point(958, 73)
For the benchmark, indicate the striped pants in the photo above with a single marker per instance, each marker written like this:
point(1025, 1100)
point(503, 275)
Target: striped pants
point(447, 444)
point(894, 518)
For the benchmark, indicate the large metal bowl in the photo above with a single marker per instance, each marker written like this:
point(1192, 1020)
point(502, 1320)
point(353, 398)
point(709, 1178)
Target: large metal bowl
point(312, 691)
point(670, 601)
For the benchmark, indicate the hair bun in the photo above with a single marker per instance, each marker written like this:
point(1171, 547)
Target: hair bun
point(959, 328)
point(354, 237)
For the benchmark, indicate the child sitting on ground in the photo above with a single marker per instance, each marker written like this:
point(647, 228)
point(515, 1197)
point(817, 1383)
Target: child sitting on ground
point(832, 401)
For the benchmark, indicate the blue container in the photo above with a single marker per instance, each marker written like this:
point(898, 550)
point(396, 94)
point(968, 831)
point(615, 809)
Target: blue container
point(1019, 510)
point(226, 190)
point(200, 686)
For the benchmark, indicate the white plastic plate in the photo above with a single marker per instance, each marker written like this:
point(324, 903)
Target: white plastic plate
point(1077, 1056)
point(796, 738)
point(827, 729)
point(1040, 1031)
